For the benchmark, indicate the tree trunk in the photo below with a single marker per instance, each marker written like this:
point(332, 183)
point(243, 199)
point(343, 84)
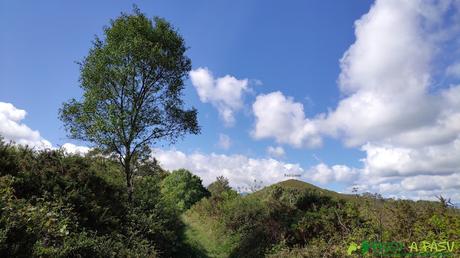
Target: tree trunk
point(129, 180)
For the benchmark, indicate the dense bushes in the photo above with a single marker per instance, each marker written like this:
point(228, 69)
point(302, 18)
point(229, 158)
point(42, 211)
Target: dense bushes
point(56, 205)
point(182, 189)
point(286, 221)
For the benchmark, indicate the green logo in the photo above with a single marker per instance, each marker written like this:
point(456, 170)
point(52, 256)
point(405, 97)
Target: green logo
point(398, 249)
point(353, 247)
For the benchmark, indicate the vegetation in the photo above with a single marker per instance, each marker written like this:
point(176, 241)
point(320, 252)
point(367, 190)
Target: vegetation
point(132, 82)
point(183, 189)
point(296, 219)
point(57, 205)
point(52, 205)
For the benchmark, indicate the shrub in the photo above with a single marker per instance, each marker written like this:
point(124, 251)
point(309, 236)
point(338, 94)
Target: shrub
point(183, 189)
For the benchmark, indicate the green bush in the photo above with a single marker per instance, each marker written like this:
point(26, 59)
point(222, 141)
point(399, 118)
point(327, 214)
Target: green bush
point(183, 189)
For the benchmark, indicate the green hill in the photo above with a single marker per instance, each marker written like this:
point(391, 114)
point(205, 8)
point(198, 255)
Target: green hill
point(301, 186)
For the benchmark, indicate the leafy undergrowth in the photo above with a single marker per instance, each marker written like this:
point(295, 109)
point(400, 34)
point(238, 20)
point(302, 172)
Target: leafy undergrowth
point(57, 205)
point(296, 219)
point(205, 238)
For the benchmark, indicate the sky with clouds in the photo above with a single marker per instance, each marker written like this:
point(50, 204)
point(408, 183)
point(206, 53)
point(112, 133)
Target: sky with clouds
point(341, 93)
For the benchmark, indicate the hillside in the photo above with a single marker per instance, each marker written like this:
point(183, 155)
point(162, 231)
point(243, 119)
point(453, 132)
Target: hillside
point(301, 186)
point(58, 205)
point(297, 219)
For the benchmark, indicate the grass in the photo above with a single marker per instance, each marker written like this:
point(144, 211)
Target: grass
point(204, 237)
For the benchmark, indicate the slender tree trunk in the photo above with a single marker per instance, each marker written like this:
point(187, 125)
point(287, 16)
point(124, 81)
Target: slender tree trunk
point(129, 179)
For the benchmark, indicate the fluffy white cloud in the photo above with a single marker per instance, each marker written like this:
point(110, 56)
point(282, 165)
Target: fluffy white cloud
point(277, 151)
point(430, 183)
point(12, 129)
point(224, 141)
point(239, 169)
point(75, 149)
point(416, 173)
point(224, 93)
point(242, 170)
point(386, 84)
point(281, 118)
point(417, 187)
point(324, 174)
point(428, 160)
point(386, 79)
point(411, 134)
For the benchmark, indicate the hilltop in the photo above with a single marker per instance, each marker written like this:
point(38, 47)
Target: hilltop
point(301, 186)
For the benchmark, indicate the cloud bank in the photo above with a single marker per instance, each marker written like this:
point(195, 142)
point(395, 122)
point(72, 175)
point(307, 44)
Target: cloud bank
point(242, 170)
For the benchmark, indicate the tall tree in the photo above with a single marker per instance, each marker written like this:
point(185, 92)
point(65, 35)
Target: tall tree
point(219, 186)
point(132, 81)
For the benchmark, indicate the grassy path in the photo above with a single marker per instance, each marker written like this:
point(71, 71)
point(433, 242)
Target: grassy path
point(203, 238)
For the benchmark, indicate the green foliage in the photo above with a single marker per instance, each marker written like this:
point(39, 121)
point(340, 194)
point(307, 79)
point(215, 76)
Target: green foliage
point(54, 205)
point(8, 158)
point(57, 205)
point(219, 186)
point(295, 219)
point(183, 189)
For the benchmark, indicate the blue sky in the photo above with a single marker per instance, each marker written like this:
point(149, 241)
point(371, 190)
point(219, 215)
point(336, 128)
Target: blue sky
point(284, 53)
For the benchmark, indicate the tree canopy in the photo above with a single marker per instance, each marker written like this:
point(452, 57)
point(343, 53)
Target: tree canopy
point(132, 81)
point(183, 189)
point(219, 186)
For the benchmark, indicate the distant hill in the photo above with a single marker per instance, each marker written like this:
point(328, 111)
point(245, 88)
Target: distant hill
point(301, 185)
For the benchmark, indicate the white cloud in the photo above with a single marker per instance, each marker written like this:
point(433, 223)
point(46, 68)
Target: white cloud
point(75, 149)
point(416, 173)
point(12, 129)
point(277, 151)
point(281, 118)
point(239, 169)
point(224, 141)
point(324, 174)
point(417, 187)
point(385, 78)
point(386, 84)
point(387, 161)
point(430, 183)
point(224, 93)
point(242, 170)
point(410, 133)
